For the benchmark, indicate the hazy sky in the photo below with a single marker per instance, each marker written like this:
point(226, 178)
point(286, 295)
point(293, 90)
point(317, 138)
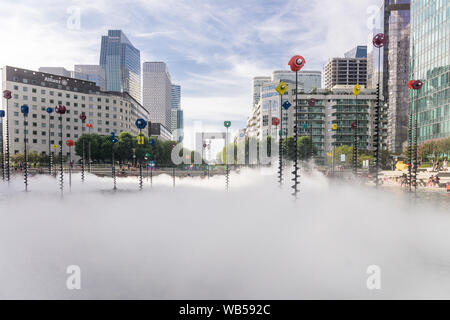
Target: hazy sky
point(212, 48)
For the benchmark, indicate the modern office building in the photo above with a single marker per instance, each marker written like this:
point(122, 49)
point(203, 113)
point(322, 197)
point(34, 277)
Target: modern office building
point(91, 72)
point(430, 63)
point(59, 71)
point(159, 130)
point(393, 20)
point(175, 96)
point(345, 72)
point(157, 92)
point(107, 111)
point(122, 64)
point(258, 82)
point(308, 80)
point(177, 127)
point(357, 52)
point(338, 106)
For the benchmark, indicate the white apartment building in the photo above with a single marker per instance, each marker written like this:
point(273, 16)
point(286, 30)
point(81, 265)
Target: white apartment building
point(108, 112)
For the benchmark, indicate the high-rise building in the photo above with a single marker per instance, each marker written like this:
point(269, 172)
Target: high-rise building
point(91, 72)
point(393, 20)
point(157, 92)
point(122, 64)
point(430, 63)
point(308, 80)
point(357, 52)
point(175, 96)
point(345, 71)
point(59, 71)
point(258, 82)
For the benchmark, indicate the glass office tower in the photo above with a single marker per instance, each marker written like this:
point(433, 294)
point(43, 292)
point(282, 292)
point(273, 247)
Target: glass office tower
point(430, 63)
point(122, 64)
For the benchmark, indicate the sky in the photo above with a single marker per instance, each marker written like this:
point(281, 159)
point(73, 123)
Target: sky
point(213, 49)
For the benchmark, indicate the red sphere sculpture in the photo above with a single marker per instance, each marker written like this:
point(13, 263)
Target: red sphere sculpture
point(296, 63)
point(275, 121)
point(7, 94)
point(69, 143)
point(60, 109)
point(379, 40)
point(417, 85)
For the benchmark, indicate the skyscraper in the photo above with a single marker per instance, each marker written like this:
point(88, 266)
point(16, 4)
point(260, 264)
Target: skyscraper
point(393, 19)
point(177, 113)
point(258, 83)
point(157, 92)
point(357, 52)
point(430, 63)
point(122, 64)
point(91, 72)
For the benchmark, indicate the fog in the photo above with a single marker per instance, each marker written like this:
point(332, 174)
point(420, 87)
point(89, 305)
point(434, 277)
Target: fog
point(196, 241)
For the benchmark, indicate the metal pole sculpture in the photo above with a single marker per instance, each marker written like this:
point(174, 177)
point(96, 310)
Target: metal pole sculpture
point(151, 141)
point(281, 89)
point(227, 124)
point(140, 124)
point(70, 144)
point(89, 126)
point(113, 140)
point(276, 122)
point(2, 115)
point(147, 163)
point(49, 111)
point(334, 127)
point(83, 159)
point(296, 63)
point(173, 168)
point(414, 133)
point(356, 92)
point(7, 95)
point(378, 41)
point(311, 103)
point(286, 105)
point(24, 109)
point(61, 110)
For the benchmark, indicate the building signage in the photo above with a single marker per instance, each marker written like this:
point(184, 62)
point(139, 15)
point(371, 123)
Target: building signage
point(63, 82)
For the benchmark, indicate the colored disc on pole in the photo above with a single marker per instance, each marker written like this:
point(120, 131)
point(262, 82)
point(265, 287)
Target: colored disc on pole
point(227, 124)
point(312, 102)
point(69, 143)
point(275, 121)
point(357, 90)
point(334, 126)
point(281, 88)
point(2, 113)
point(297, 63)
point(305, 126)
point(286, 105)
point(141, 123)
point(55, 146)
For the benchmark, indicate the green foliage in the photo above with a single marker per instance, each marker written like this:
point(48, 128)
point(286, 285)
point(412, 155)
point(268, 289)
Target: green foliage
point(125, 148)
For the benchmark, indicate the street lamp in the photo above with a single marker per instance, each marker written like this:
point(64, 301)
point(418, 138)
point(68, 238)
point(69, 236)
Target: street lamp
point(296, 63)
point(24, 109)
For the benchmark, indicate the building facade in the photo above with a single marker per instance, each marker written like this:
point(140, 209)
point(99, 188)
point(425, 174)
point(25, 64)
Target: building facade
point(108, 112)
point(357, 52)
point(345, 72)
point(122, 64)
point(430, 63)
point(258, 82)
point(308, 80)
point(91, 72)
point(338, 106)
point(160, 131)
point(157, 92)
point(393, 20)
